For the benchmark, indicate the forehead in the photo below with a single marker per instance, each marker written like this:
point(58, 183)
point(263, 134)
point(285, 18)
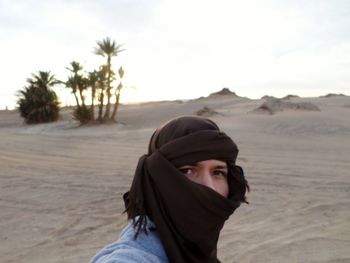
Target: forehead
point(212, 163)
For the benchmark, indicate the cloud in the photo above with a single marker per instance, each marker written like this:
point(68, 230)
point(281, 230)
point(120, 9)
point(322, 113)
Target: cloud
point(182, 49)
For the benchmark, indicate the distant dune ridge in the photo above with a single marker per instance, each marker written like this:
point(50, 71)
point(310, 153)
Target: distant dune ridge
point(223, 92)
point(267, 97)
point(329, 95)
point(61, 184)
point(290, 97)
point(206, 112)
point(273, 106)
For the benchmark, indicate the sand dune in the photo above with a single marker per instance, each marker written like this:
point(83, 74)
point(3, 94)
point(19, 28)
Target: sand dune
point(273, 106)
point(61, 185)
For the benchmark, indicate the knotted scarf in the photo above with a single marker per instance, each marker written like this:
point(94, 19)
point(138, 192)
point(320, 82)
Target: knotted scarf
point(188, 216)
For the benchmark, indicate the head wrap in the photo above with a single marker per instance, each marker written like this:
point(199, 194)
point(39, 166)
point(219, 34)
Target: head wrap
point(188, 216)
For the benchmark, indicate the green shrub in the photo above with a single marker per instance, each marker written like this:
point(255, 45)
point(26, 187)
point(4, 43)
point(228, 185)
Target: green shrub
point(37, 102)
point(83, 114)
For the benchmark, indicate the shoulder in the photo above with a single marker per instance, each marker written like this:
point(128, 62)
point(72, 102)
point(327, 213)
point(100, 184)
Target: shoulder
point(147, 248)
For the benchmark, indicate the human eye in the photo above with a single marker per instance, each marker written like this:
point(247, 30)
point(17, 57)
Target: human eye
point(220, 173)
point(186, 170)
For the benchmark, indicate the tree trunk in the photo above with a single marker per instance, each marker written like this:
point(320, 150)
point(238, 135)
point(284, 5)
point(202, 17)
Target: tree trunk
point(100, 109)
point(82, 97)
point(76, 99)
point(108, 106)
point(93, 91)
point(116, 105)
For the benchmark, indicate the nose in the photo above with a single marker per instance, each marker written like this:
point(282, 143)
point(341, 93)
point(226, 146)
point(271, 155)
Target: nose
point(205, 178)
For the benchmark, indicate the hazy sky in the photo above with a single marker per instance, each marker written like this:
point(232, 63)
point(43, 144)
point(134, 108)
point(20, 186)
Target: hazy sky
point(182, 49)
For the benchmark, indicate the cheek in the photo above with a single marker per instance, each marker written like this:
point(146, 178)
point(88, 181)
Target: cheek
point(222, 187)
point(192, 177)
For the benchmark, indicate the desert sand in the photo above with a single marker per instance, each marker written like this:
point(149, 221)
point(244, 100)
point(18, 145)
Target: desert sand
point(61, 185)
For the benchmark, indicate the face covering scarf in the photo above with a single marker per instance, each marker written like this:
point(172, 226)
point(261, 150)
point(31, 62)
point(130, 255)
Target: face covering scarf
point(188, 216)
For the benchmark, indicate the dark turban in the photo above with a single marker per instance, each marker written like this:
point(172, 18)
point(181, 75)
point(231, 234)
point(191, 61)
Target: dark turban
point(188, 216)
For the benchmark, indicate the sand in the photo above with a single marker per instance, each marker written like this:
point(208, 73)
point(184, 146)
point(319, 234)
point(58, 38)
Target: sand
point(61, 185)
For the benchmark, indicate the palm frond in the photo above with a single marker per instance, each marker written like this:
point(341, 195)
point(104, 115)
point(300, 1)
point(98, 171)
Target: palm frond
point(38, 102)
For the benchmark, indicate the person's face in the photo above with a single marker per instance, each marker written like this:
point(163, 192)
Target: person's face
point(210, 173)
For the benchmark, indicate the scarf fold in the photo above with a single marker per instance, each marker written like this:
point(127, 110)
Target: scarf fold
point(188, 216)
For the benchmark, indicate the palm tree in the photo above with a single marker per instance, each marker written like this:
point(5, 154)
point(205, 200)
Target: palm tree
point(72, 83)
point(77, 82)
point(43, 79)
point(92, 82)
point(75, 67)
point(117, 93)
point(38, 102)
point(108, 48)
point(101, 84)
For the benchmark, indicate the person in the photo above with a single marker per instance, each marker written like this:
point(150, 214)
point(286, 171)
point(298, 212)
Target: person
point(183, 190)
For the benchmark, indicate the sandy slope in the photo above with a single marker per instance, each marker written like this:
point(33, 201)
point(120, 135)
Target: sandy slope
point(61, 186)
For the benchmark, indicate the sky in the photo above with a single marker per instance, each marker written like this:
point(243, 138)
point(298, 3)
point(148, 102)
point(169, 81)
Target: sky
point(182, 49)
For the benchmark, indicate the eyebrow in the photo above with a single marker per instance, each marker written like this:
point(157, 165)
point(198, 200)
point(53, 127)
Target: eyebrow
point(224, 167)
point(221, 167)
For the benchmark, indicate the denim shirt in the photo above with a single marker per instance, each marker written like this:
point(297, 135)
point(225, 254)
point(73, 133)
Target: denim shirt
point(147, 248)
